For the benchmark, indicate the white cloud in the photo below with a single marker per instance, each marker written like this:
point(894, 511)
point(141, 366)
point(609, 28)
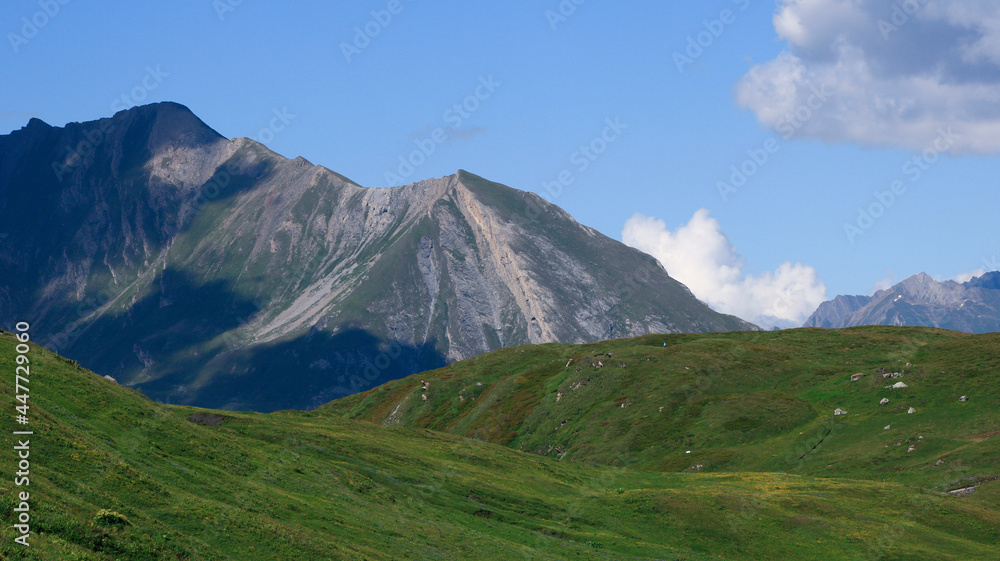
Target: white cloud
point(966, 277)
point(700, 255)
point(886, 283)
point(897, 71)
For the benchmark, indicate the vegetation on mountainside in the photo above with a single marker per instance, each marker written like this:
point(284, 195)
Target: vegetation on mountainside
point(116, 476)
point(737, 401)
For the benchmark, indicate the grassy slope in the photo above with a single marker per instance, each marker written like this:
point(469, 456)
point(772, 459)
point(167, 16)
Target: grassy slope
point(311, 486)
point(737, 401)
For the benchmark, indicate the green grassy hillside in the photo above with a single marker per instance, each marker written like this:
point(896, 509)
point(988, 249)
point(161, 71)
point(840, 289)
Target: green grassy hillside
point(736, 401)
point(292, 485)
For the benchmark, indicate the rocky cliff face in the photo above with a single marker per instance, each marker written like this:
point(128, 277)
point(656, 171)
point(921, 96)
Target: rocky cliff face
point(215, 272)
point(837, 311)
point(973, 307)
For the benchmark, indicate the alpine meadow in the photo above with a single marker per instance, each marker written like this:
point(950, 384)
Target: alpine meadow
point(381, 280)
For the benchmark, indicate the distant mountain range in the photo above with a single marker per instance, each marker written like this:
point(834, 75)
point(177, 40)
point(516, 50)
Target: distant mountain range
point(973, 306)
point(215, 272)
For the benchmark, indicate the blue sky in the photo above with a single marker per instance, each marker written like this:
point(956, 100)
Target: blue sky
point(554, 85)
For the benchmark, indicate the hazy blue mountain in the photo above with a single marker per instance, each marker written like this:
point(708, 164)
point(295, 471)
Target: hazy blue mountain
point(215, 272)
point(973, 306)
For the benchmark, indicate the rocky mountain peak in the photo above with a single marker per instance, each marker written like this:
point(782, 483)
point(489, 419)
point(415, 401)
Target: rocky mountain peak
point(215, 272)
point(919, 301)
point(989, 281)
point(923, 287)
point(35, 123)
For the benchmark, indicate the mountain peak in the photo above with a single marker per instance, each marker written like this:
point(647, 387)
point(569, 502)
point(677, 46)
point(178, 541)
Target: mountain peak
point(919, 279)
point(167, 110)
point(990, 280)
point(919, 300)
point(36, 123)
point(270, 256)
point(157, 107)
point(169, 122)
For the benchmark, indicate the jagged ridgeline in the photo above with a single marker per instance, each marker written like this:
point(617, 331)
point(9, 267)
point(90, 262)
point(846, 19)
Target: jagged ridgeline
point(209, 271)
point(972, 306)
point(117, 477)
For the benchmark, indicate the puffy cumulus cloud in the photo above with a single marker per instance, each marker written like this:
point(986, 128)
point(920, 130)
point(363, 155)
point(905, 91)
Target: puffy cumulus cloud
point(700, 255)
point(966, 277)
point(883, 72)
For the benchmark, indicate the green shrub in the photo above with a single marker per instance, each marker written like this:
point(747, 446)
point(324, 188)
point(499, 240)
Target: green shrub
point(108, 519)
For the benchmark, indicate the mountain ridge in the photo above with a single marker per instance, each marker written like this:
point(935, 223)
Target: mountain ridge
point(972, 306)
point(196, 267)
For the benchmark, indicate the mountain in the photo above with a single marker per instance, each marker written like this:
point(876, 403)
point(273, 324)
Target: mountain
point(973, 306)
point(215, 272)
point(117, 477)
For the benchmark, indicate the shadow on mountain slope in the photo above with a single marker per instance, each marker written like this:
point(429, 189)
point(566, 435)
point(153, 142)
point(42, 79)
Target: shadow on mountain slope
point(181, 345)
point(171, 320)
point(303, 372)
